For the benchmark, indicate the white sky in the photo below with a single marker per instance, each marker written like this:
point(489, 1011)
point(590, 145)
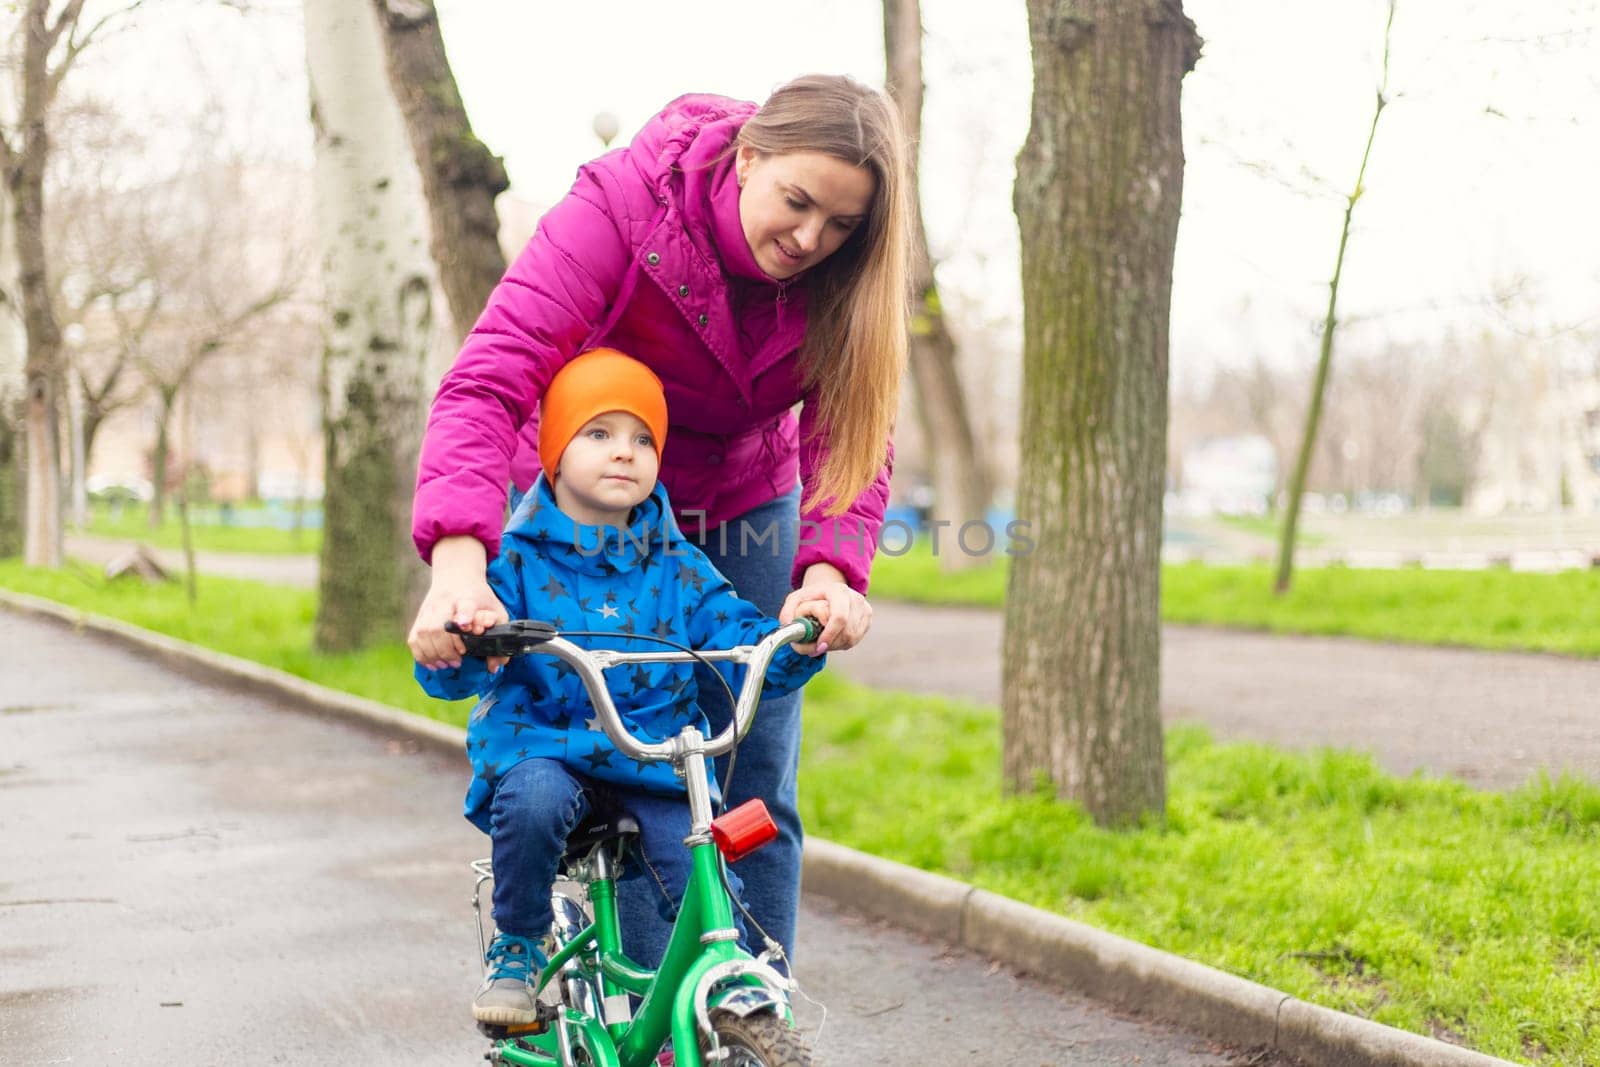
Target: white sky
point(1483, 176)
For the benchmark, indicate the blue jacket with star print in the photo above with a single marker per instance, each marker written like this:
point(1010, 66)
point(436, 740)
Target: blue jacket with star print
point(646, 579)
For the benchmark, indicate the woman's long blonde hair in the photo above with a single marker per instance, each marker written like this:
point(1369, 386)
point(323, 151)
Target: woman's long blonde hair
point(854, 354)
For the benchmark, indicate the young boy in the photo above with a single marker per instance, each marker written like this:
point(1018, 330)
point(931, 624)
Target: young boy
point(593, 546)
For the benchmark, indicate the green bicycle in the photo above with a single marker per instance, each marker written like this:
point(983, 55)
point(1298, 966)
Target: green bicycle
point(711, 998)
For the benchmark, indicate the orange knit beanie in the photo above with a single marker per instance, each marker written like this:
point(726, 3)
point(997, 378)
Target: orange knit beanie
point(598, 381)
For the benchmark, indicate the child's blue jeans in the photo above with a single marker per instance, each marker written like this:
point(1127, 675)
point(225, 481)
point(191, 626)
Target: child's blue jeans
point(539, 802)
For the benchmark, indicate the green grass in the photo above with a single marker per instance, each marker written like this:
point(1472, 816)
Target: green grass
point(917, 576)
point(132, 522)
point(1419, 903)
point(1493, 609)
point(1479, 609)
point(1270, 527)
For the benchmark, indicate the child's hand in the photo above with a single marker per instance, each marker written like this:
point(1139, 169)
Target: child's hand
point(481, 621)
point(811, 609)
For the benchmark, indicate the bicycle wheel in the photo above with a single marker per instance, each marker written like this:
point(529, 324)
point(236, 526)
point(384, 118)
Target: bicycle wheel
point(762, 1040)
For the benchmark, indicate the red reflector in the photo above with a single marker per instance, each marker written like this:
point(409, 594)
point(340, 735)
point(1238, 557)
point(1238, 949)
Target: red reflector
point(742, 830)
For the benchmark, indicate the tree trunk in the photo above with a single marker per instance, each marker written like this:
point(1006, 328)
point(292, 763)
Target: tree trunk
point(161, 455)
point(99, 401)
point(43, 372)
point(92, 421)
point(955, 459)
point(13, 384)
point(191, 572)
point(460, 176)
point(78, 502)
point(382, 351)
point(1099, 181)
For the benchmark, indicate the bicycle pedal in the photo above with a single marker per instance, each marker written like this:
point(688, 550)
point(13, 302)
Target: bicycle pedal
point(505, 1031)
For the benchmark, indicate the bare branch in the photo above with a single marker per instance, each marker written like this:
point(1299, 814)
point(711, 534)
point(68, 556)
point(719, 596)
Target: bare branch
point(66, 21)
point(77, 44)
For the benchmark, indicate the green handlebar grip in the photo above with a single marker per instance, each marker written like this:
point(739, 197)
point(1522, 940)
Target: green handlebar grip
point(813, 630)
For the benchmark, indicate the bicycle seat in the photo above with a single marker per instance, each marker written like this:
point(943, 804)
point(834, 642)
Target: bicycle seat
point(596, 829)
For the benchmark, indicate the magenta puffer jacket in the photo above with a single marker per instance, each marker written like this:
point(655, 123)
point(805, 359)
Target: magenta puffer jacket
point(646, 254)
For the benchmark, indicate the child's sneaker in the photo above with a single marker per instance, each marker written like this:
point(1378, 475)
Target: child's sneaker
point(507, 994)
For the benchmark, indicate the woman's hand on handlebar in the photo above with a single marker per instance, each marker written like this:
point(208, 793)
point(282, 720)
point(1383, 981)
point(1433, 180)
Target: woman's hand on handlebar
point(459, 591)
point(848, 618)
point(811, 609)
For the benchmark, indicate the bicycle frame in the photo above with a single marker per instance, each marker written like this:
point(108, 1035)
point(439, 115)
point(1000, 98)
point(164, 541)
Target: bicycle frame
point(703, 968)
point(674, 998)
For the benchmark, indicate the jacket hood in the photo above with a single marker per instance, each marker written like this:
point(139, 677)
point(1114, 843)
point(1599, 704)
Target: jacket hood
point(596, 550)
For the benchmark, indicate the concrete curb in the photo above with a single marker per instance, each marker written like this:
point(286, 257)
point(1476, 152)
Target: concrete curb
point(1104, 966)
point(1116, 970)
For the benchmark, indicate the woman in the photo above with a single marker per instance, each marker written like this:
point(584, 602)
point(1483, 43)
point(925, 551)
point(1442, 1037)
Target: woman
point(754, 259)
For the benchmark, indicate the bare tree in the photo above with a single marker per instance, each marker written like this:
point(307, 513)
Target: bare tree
point(96, 230)
point(218, 287)
point(171, 368)
point(44, 48)
point(175, 272)
point(1319, 384)
point(460, 176)
point(1099, 181)
point(960, 475)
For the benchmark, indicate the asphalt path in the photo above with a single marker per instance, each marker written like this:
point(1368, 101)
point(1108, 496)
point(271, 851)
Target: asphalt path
point(193, 876)
point(1492, 719)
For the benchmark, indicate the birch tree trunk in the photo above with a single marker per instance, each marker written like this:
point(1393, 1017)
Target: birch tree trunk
point(1099, 181)
point(960, 473)
point(460, 176)
point(383, 351)
point(13, 360)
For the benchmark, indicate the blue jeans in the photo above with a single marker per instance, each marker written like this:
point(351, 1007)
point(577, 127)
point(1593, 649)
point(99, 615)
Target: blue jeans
point(539, 802)
point(767, 761)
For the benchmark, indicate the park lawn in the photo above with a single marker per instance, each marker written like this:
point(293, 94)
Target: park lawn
point(1270, 529)
point(1420, 903)
point(1416, 902)
point(1495, 609)
point(132, 523)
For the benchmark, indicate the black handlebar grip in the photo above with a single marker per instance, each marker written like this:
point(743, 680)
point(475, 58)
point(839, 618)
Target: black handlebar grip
point(508, 639)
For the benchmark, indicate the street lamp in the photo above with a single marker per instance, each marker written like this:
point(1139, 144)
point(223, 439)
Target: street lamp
point(606, 127)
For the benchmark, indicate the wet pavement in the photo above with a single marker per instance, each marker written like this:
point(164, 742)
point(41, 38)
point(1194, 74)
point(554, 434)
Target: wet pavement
point(193, 876)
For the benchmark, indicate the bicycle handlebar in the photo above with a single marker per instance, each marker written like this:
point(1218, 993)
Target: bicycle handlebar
point(523, 636)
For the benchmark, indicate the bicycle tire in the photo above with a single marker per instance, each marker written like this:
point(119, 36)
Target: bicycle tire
point(762, 1040)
